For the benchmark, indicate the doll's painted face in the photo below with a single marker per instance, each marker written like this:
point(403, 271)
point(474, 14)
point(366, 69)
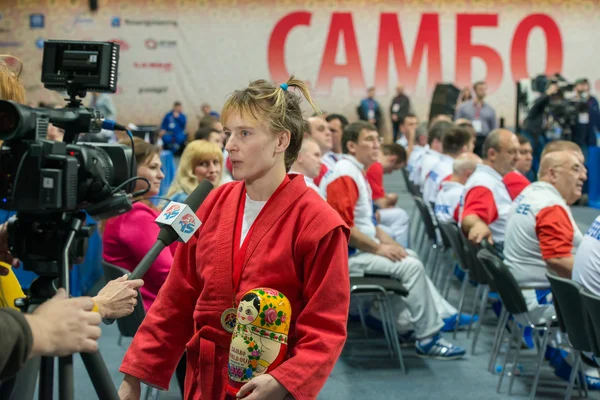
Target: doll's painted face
point(247, 312)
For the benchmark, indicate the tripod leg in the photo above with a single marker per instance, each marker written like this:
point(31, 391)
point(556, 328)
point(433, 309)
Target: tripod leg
point(65, 378)
point(96, 368)
point(6, 387)
point(46, 378)
point(26, 380)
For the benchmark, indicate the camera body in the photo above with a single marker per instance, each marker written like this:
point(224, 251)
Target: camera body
point(50, 183)
point(564, 108)
point(43, 176)
point(40, 175)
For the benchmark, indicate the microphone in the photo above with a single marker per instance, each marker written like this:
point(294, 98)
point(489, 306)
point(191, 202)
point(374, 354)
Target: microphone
point(177, 221)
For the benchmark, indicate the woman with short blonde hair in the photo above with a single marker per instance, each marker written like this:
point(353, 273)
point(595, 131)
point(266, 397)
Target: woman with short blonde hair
point(266, 230)
point(200, 160)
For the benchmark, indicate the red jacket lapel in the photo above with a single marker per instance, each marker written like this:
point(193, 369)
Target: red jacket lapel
point(225, 234)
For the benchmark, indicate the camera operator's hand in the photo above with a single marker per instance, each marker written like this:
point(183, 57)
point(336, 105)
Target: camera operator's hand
point(552, 89)
point(118, 298)
point(63, 326)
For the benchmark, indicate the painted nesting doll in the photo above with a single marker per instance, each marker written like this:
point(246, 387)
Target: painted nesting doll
point(259, 339)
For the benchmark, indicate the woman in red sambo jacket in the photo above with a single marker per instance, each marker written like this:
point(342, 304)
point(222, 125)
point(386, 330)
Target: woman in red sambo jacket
point(265, 230)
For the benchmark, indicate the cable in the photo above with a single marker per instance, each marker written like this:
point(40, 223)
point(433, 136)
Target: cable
point(135, 178)
point(143, 191)
point(132, 150)
point(155, 197)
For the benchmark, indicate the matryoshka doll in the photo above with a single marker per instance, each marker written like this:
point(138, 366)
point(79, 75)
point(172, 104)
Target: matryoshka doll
point(259, 339)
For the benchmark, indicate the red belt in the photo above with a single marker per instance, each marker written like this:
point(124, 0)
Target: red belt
point(210, 339)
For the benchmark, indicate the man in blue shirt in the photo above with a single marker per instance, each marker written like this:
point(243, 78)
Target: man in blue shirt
point(480, 113)
point(172, 129)
point(369, 109)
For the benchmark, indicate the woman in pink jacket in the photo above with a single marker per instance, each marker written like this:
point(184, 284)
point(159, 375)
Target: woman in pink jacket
point(128, 237)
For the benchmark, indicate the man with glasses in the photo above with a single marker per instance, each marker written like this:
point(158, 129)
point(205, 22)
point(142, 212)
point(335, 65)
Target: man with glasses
point(371, 250)
point(541, 234)
point(485, 202)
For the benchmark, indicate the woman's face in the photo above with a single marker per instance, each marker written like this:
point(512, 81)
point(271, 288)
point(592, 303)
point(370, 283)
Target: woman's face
point(246, 313)
point(208, 169)
point(151, 170)
point(252, 148)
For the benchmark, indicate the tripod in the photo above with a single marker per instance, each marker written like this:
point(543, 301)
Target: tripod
point(69, 229)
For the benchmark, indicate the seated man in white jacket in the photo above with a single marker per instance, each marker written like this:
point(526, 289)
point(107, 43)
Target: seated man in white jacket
point(393, 220)
point(448, 198)
point(308, 163)
point(373, 251)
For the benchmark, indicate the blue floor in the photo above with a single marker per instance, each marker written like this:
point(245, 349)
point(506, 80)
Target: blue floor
point(365, 370)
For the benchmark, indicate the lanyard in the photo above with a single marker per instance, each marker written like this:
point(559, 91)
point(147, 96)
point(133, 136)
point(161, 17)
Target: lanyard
point(239, 253)
point(478, 108)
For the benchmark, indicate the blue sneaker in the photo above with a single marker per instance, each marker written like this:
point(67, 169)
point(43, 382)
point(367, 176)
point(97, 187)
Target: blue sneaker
point(562, 369)
point(465, 320)
point(439, 349)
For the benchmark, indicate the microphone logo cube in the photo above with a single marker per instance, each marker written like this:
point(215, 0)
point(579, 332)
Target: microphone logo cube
point(172, 211)
point(187, 223)
point(181, 219)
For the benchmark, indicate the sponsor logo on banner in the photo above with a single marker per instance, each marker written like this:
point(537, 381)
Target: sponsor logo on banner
point(11, 44)
point(39, 43)
point(187, 223)
point(123, 45)
point(166, 67)
point(117, 22)
point(83, 20)
point(154, 90)
point(154, 44)
point(36, 21)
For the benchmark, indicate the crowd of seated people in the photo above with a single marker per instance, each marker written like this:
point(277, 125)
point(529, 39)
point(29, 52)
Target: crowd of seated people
point(491, 198)
point(345, 164)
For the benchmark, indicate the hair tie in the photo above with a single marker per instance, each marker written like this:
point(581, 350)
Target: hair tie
point(284, 86)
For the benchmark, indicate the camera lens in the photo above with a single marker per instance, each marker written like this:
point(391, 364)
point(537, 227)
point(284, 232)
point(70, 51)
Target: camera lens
point(9, 120)
point(16, 121)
